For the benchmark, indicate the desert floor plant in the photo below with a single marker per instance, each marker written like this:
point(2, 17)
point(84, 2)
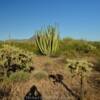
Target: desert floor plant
point(82, 68)
point(47, 40)
point(13, 59)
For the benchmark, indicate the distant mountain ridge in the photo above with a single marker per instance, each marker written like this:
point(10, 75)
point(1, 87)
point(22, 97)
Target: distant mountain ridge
point(33, 37)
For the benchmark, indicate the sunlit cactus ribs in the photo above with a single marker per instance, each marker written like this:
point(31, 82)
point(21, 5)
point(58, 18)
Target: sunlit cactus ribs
point(47, 40)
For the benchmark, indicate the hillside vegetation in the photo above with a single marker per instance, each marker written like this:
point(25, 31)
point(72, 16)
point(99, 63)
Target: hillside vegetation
point(67, 46)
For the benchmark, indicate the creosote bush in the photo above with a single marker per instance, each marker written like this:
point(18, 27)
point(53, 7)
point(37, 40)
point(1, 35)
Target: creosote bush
point(19, 76)
point(13, 59)
point(40, 74)
point(77, 48)
point(47, 40)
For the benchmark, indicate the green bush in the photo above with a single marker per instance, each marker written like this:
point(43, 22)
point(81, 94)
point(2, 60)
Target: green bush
point(19, 76)
point(13, 59)
point(40, 74)
point(27, 45)
point(84, 47)
point(75, 48)
point(47, 40)
point(1, 43)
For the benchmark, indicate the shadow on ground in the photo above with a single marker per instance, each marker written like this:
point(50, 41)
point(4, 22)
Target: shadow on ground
point(33, 94)
point(4, 93)
point(58, 78)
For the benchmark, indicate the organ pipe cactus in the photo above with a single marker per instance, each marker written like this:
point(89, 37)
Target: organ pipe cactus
point(47, 40)
point(81, 68)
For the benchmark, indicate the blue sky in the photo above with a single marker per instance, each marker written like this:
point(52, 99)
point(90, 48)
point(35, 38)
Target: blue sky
point(78, 19)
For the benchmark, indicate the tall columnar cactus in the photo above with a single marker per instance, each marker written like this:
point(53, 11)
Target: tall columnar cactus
point(47, 40)
point(81, 68)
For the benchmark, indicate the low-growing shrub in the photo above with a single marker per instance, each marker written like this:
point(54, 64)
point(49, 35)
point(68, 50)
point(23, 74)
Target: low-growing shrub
point(40, 74)
point(27, 45)
point(19, 76)
point(76, 48)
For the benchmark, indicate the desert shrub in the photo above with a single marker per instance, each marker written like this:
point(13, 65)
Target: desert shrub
point(47, 40)
point(66, 47)
point(28, 45)
point(96, 66)
point(40, 74)
point(13, 59)
point(97, 45)
point(19, 76)
point(84, 47)
point(1, 43)
point(74, 48)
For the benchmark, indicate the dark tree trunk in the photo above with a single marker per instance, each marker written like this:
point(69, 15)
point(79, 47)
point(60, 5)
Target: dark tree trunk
point(82, 87)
